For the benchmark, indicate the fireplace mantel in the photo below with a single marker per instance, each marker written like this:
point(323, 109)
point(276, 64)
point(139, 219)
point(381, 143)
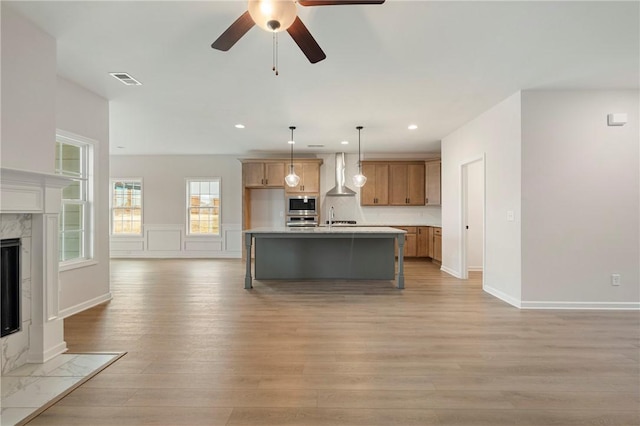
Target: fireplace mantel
point(24, 191)
point(39, 194)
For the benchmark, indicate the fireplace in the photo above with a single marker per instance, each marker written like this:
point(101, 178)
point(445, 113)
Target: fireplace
point(10, 286)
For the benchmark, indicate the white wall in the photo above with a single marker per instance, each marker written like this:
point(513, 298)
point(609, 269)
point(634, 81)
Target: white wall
point(580, 198)
point(495, 134)
point(86, 114)
point(349, 208)
point(164, 205)
point(34, 103)
point(28, 95)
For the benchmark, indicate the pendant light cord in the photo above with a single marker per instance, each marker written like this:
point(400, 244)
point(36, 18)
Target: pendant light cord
point(292, 142)
point(359, 160)
point(275, 53)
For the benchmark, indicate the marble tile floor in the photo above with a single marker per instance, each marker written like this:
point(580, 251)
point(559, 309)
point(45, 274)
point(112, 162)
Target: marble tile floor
point(32, 388)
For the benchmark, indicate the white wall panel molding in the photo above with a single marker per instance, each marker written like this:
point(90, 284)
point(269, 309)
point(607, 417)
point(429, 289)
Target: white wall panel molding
point(163, 237)
point(170, 241)
point(50, 276)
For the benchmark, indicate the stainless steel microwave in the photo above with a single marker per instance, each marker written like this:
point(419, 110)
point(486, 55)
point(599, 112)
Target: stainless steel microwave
point(302, 205)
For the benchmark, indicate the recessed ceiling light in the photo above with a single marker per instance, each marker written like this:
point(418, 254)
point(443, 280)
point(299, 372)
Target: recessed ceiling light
point(239, 126)
point(291, 142)
point(125, 78)
point(412, 126)
point(345, 142)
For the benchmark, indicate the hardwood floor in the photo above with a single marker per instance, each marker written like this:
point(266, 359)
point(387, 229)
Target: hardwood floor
point(204, 351)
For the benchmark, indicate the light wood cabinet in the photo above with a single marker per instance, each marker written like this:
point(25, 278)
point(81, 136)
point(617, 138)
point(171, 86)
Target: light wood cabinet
point(433, 182)
point(376, 191)
point(406, 184)
point(309, 173)
point(410, 241)
point(437, 244)
point(263, 174)
point(423, 240)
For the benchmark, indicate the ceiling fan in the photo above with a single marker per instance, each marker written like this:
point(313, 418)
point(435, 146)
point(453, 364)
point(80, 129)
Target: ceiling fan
point(280, 15)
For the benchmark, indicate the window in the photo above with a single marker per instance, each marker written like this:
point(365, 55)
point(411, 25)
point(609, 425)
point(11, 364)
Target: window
point(126, 207)
point(74, 159)
point(203, 207)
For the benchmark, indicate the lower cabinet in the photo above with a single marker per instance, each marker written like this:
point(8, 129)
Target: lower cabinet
point(410, 241)
point(422, 241)
point(437, 244)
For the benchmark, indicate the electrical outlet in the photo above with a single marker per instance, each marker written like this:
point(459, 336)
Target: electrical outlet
point(615, 279)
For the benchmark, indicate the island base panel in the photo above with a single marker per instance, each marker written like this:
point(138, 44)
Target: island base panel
point(333, 258)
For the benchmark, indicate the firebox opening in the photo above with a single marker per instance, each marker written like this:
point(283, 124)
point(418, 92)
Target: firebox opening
point(10, 286)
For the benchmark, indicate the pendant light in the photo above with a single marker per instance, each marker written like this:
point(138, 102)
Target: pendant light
point(359, 180)
point(292, 179)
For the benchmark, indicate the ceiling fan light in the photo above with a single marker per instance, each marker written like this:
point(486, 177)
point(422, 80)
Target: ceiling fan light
point(359, 180)
point(273, 15)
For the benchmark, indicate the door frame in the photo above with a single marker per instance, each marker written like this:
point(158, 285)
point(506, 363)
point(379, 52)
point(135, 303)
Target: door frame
point(462, 215)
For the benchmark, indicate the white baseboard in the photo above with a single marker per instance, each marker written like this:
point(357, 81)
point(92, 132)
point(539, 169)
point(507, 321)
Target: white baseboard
point(502, 296)
point(450, 271)
point(64, 313)
point(176, 255)
point(626, 306)
point(474, 269)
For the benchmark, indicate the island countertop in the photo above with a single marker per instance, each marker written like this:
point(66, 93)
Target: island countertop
point(326, 230)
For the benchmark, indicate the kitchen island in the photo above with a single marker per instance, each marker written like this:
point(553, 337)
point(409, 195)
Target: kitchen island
point(317, 253)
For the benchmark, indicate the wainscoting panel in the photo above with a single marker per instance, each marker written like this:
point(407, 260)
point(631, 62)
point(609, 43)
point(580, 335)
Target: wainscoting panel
point(120, 245)
point(170, 241)
point(233, 239)
point(203, 245)
point(163, 239)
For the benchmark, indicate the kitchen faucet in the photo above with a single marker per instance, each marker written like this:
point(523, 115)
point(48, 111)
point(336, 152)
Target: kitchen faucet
point(331, 216)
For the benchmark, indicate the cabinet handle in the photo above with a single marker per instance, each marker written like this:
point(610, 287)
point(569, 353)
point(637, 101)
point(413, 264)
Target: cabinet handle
point(266, 181)
point(262, 181)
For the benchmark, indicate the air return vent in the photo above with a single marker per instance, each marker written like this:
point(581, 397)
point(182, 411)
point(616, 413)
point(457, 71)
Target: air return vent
point(125, 78)
point(315, 146)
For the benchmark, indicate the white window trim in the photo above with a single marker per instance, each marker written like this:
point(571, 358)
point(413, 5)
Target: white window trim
point(188, 234)
point(89, 214)
point(126, 236)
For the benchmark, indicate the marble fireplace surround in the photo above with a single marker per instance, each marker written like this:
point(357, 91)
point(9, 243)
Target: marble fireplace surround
point(32, 200)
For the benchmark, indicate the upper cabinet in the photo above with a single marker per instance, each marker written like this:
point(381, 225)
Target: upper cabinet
point(393, 183)
point(433, 169)
point(376, 191)
point(406, 184)
point(263, 174)
point(309, 172)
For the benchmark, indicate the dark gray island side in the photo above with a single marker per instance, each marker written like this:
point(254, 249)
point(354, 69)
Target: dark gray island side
point(354, 253)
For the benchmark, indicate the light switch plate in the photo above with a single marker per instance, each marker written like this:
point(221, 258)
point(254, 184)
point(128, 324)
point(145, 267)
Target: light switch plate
point(510, 216)
point(617, 119)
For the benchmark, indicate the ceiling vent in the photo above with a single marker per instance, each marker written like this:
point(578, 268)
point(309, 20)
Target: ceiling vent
point(125, 78)
point(315, 146)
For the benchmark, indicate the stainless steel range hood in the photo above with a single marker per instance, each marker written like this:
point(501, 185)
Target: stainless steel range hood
point(341, 187)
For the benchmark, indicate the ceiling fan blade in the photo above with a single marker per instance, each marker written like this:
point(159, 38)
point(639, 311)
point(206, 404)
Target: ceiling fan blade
point(305, 41)
point(234, 33)
point(336, 2)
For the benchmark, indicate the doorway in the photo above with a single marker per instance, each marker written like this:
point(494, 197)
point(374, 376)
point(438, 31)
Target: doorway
point(472, 215)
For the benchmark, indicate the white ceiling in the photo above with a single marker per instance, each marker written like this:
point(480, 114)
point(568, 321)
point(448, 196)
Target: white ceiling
point(435, 64)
